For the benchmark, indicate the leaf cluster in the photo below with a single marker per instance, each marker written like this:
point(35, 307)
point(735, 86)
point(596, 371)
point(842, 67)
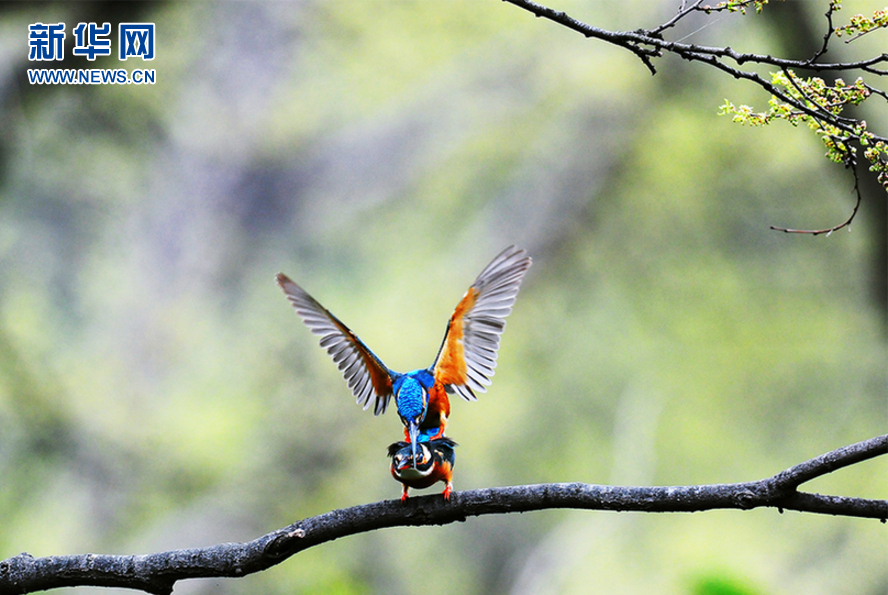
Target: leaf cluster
point(736, 6)
point(860, 25)
point(820, 97)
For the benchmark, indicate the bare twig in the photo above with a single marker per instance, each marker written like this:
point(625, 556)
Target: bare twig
point(624, 40)
point(830, 31)
point(157, 573)
point(829, 230)
point(683, 11)
point(881, 93)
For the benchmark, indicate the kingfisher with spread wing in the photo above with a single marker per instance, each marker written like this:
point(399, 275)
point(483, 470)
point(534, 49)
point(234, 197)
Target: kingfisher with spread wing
point(465, 360)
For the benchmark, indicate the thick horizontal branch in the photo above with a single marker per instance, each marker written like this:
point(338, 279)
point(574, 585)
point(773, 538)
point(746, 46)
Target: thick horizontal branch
point(157, 573)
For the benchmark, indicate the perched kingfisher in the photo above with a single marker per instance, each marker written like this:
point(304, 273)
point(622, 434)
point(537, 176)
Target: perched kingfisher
point(427, 464)
point(465, 360)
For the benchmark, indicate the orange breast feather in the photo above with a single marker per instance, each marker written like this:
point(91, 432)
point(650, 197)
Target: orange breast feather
point(439, 407)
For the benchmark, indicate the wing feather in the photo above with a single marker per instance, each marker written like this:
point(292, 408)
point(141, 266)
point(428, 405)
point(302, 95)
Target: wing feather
point(465, 392)
point(467, 357)
point(367, 377)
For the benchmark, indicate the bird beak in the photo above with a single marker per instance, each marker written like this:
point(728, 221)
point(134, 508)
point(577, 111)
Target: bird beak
point(413, 430)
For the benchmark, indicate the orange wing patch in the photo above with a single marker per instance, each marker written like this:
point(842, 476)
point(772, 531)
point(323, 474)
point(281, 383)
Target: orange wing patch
point(467, 357)
point(451, 365)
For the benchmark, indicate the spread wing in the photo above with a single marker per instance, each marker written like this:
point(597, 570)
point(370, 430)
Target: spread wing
point(467, 356)
point(367, 376)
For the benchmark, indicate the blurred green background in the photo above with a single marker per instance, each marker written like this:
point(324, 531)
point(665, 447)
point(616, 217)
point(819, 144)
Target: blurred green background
point(157, 391)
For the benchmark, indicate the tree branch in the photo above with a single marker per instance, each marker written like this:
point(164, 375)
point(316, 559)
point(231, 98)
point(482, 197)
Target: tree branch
point(829, 230)
point(654, 39)
point(157, 573)
point(647, 44)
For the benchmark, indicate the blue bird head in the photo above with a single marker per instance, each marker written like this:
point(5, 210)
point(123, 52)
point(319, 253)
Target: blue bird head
point(412, 399)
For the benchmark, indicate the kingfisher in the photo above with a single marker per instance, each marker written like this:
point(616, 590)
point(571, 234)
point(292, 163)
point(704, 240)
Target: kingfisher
point(429, 463)
point(466, 358)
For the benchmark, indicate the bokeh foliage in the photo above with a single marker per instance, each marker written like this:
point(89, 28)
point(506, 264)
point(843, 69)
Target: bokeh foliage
point(157, 391)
